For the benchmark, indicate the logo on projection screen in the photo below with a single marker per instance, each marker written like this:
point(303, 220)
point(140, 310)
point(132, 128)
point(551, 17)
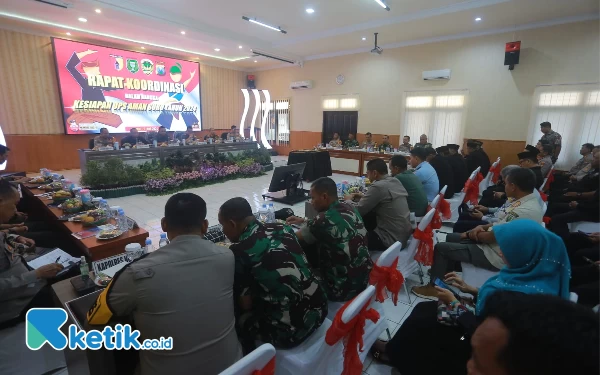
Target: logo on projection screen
point(2, 142)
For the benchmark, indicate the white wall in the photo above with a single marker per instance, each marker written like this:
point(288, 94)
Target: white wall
point(500, 100)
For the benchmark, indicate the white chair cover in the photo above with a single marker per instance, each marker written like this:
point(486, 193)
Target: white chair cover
point(256, 360)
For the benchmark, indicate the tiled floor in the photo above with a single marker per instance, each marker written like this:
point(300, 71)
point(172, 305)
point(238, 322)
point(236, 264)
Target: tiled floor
point(148, 211)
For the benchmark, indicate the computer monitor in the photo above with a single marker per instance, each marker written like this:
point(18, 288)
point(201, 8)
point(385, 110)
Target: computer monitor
point(289, 179)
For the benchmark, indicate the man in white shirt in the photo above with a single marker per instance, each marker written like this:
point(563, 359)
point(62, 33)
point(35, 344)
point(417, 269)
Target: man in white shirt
point(477, 246)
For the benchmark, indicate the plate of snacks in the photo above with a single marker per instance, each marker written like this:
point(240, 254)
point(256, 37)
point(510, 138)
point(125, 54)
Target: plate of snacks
point(71, 206)
point(51, 186)
point(93, 218)
point(61, 196)
point(223, 243)
point(100, 279)
point(38, 180)
point(109, 234)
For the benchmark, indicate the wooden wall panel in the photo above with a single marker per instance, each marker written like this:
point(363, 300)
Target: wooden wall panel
point(30, 102)
point(222, 100)
point(506, 150)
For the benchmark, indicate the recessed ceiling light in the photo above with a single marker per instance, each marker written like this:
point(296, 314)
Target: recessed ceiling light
point(255, 61)
point(81, 19)
point(98, 11)
point(478, 19)
point(363, 38)
point(68, 33)
point(240, 47)
point(143, 47)
point(182, 32)
point(310, 10)
point(217, 49)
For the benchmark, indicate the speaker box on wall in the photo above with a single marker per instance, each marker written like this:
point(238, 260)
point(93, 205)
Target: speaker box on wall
point(512, 50)
point(250, 81)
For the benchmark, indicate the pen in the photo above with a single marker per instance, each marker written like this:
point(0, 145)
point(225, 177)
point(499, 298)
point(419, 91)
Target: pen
point(56, 261)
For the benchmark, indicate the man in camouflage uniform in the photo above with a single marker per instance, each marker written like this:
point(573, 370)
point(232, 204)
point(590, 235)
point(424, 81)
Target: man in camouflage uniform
point(340, 235)
point(281, 300)
point(351, 142)
point(423, 142)
point(553, 138)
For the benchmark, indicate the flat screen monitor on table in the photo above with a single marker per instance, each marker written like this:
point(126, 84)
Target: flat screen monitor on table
point(103, 87)
point(287, 178)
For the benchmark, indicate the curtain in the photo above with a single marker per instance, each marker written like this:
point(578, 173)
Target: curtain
point(438, 114)
point(574, 112)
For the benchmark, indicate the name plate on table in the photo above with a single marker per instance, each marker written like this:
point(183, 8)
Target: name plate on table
point(173, 144)
point(107, 148)
point(106, 263)
point(142, 146)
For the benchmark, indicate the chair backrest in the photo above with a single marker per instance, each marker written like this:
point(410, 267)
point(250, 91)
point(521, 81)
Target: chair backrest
point(357, 304)
point(573, 297)
point(543, 184)
point(254, 361)
point(476, 171)
point(443, 191)
point(414, 243)
point(435, 201)
point(387, 257)
point(544, 208)
point(550, 171)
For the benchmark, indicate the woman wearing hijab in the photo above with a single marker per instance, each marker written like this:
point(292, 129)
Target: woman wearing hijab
point(435, 338)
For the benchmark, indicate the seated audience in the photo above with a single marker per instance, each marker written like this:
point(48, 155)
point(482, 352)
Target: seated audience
point(385, 145)
point(460, 174)
point(384, 208)
point(581, 169)
point(211, 134)
point(584, 188)
point(529, 160)
point(545, 160)
point(425, 172)
point(280, 298)
point(182, 290)
point(583, 208)
point(476, 157)
point(405, 146)
point(532, 149)
point(20, 287)
point(162, 136)
point(368, 141)
point(416, 199)
point(442, 170)
point(104, 139)
point(134, 138)
point(535, 335)
point(578, 245)
point(336, 141)
point(536, 262)
point(585, 282)
point(477, 246)
point(494, 196)
point(340, 237)
point(351, 142)
point(540, 144)
point(423, 142)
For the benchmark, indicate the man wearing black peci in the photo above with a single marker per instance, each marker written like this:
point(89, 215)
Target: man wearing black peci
point(134, 138)
point(460, 174)
point(529, 160)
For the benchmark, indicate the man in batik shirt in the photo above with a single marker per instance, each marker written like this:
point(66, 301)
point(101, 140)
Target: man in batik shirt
point(280, 298)
point(340, 237)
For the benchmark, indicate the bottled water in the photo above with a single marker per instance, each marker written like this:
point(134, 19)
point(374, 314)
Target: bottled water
point(271, 213)
point(148, 248)
point(84, 269)
point(155, 143)
point(263, 214)
point(122, 221)
point(104, 205)
point(163, 240)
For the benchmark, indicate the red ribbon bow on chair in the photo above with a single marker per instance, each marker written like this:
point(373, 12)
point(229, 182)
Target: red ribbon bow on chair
point(436, 220)
point(269, 369)
point(352, 334)
point(472, 189)
point(386, 277)
point(425, 251)
point(443, 207)
point(549, 181)
point(544, 196)
point(496, 172)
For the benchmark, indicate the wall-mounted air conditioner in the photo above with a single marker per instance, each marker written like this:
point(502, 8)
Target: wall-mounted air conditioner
point(436, 75)
point(301, 85)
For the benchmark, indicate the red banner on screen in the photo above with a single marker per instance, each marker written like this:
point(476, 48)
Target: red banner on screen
point(103, 87)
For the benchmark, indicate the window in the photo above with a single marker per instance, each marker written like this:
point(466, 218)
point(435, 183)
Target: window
point(348, 102)
point(573, 111)
point(438, 114)
point(278, 123)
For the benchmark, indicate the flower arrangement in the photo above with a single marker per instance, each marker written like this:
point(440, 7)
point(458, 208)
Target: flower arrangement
point(205, 174)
